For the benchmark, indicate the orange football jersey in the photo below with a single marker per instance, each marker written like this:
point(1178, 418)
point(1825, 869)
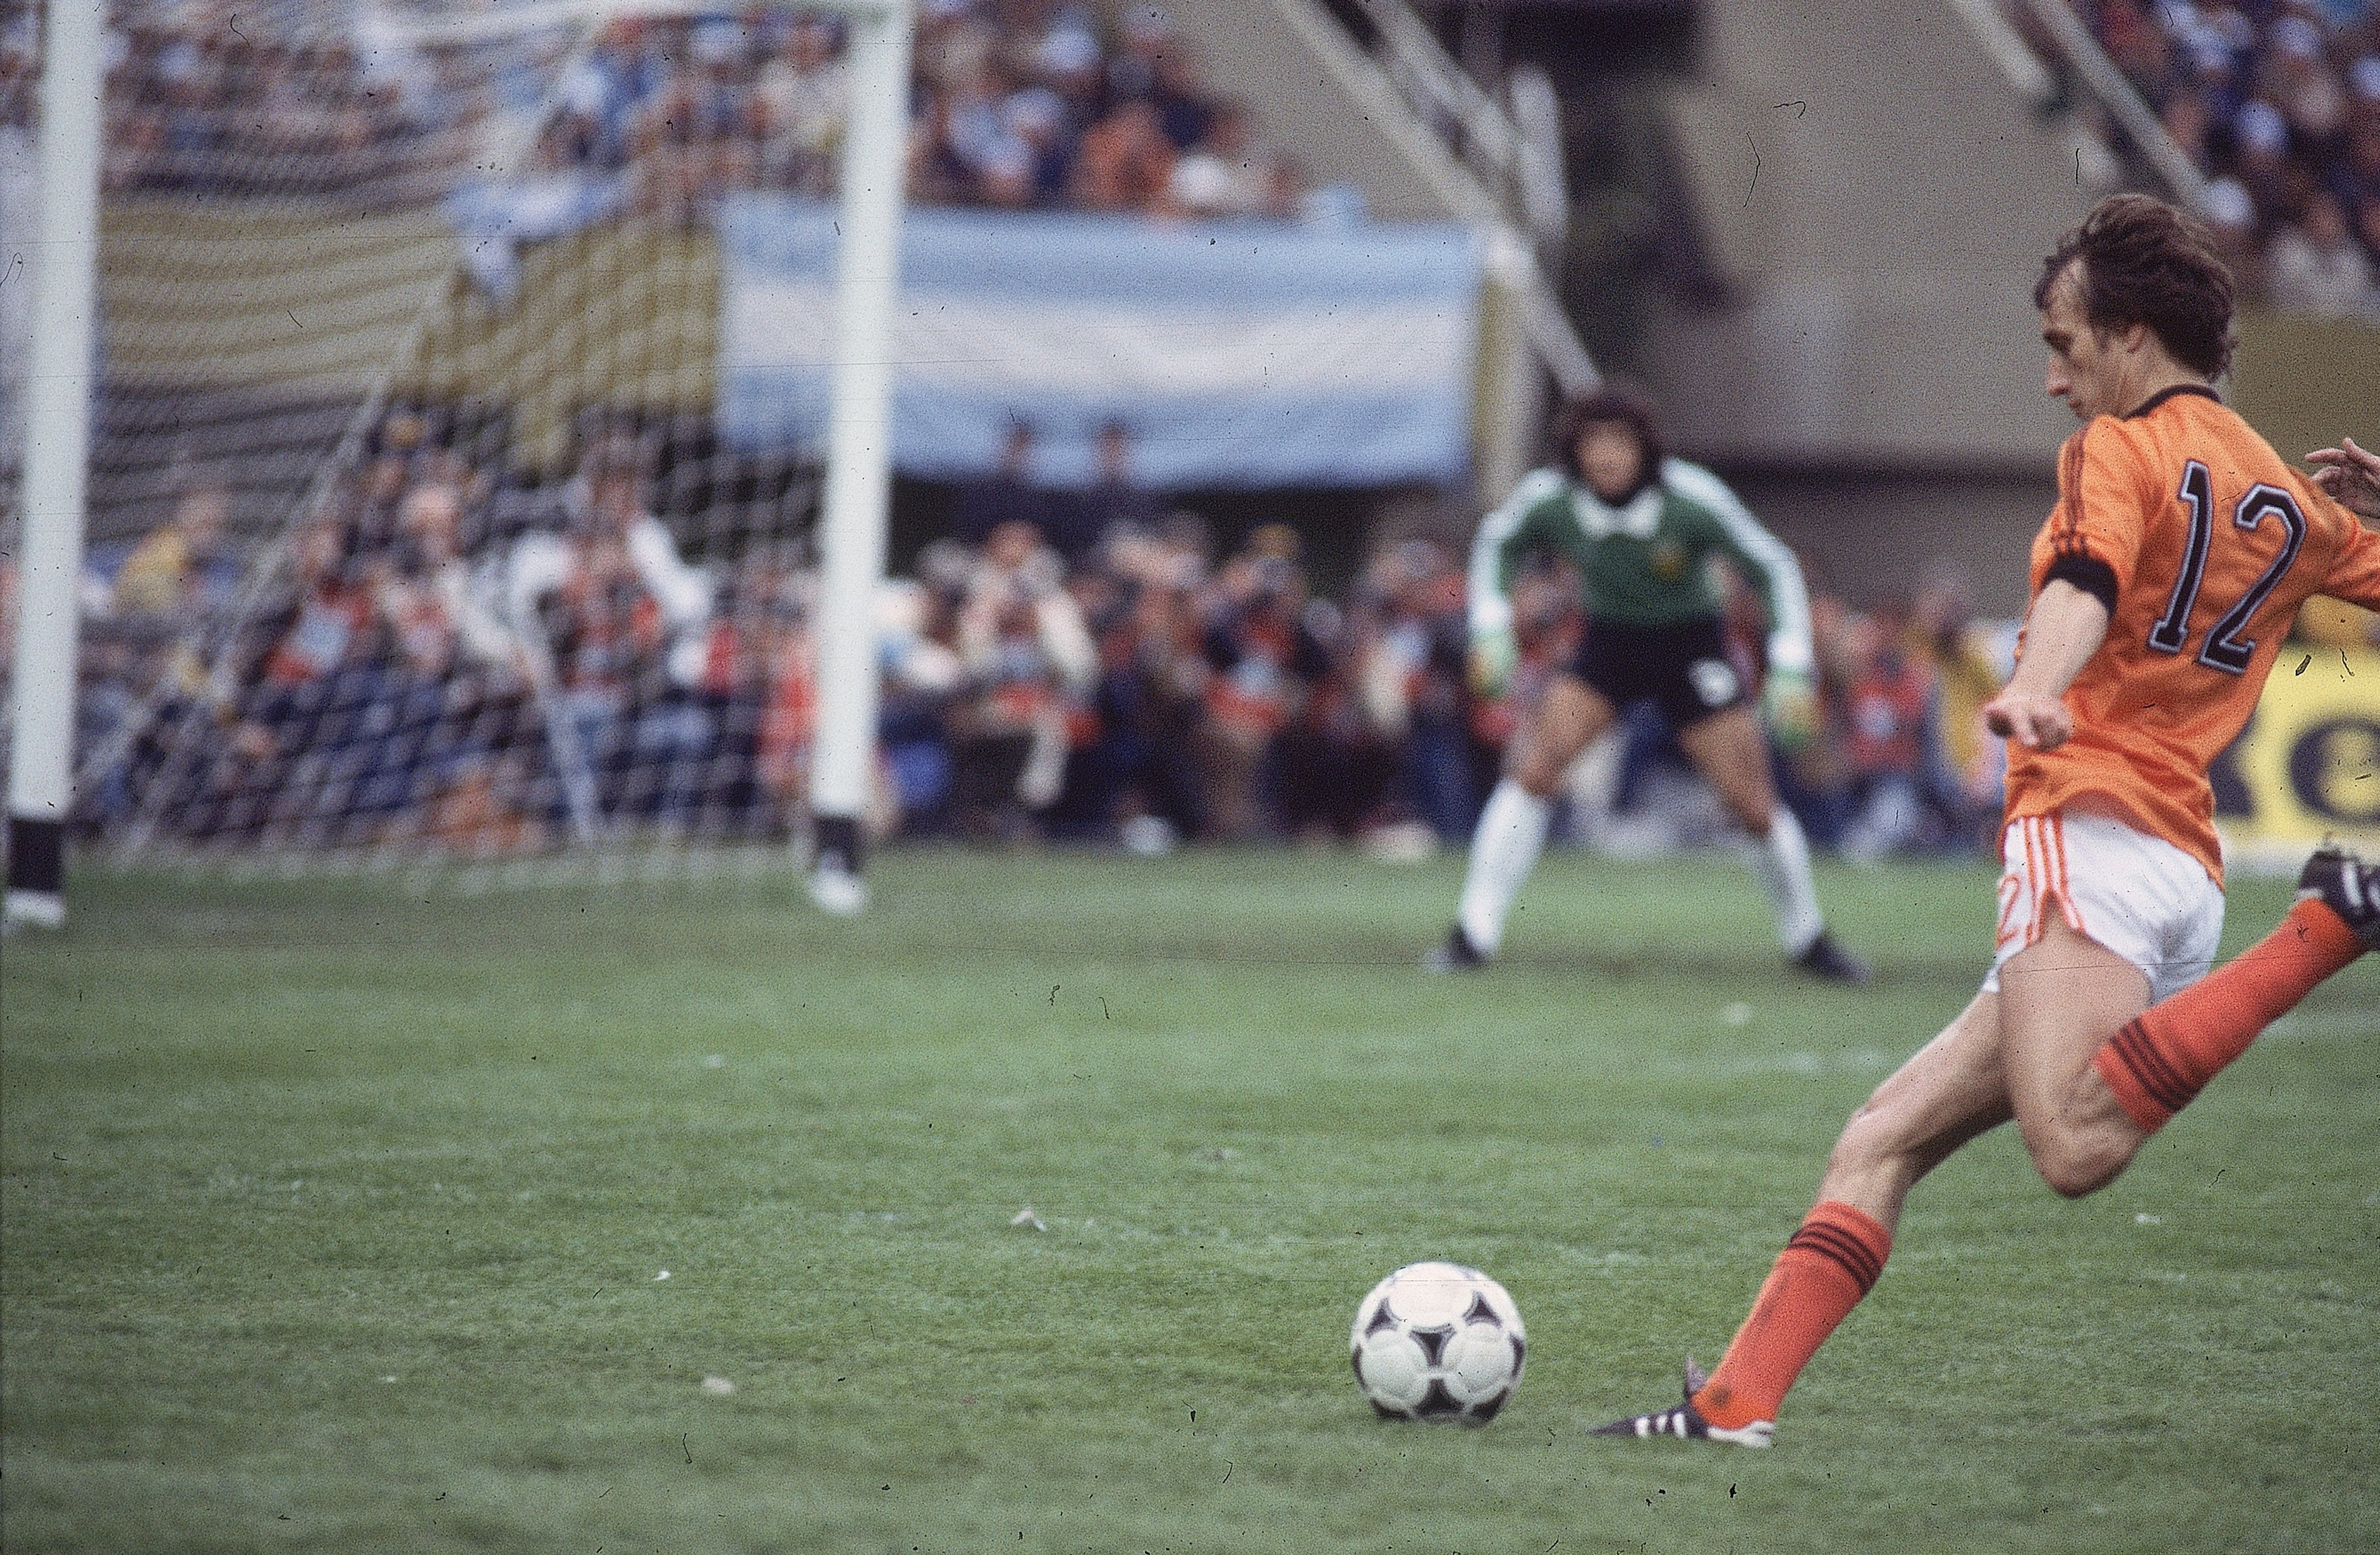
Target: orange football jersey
point(2204, 544)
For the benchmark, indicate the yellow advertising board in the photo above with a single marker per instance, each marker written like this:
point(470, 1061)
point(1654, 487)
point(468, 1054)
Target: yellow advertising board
point(2308, 765)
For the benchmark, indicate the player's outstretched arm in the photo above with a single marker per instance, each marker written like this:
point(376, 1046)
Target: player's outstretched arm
point(2063, 629)
point(2350, 474)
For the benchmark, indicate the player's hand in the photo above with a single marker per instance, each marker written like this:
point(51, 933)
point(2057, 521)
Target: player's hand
point(2350, 475)
point(1790, 703)
point(2035, 722)
point(1493, 656)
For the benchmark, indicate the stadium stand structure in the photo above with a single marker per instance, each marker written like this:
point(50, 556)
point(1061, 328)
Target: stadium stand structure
point(1788, 217)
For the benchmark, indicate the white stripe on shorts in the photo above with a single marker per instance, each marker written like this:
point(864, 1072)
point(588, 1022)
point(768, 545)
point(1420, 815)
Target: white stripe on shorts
point(2140, 896)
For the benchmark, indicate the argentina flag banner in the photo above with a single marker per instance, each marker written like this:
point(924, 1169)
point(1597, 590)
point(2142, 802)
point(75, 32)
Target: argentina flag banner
point(1242, 355)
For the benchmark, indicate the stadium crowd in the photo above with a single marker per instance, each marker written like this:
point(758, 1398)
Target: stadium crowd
point(443, 658)
point(1015, 103)
point(1061, 105)
point(2279, 102)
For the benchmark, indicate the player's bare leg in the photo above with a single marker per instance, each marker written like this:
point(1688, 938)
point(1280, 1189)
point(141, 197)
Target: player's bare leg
point(1728, 750)
point(1512, 831)
point(1568, 717)
point(1948, 1092)
point(2061, 998)
point(2095, 1069)
point(1951, 1090)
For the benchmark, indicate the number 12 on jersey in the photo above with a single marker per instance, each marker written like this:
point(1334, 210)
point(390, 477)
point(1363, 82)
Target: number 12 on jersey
point(2224, 649)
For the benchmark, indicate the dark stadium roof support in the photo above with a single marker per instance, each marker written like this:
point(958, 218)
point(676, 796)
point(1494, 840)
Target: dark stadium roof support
point(2099, 76)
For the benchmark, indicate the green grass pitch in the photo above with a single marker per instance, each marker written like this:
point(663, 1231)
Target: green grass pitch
point(335, 1219)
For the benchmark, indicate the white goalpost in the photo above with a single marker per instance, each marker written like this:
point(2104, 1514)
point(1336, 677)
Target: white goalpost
point(852, 527)
point(56, 449)
point(614, 325)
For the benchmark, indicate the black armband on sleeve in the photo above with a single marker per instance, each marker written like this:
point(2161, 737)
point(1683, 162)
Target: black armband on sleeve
point(2087, 573)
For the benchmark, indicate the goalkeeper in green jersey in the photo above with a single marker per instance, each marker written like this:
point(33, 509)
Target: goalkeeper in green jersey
point(1641, 528)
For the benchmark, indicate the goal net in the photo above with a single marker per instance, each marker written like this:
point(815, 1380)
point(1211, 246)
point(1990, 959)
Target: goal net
point(465, 385)
point(411, 536)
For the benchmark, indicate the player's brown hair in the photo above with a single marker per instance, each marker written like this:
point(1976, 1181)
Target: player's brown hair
point(1612, 402)
point(2144, 263)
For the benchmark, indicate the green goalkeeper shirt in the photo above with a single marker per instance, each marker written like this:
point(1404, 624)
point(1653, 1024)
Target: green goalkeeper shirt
point(1646, 563)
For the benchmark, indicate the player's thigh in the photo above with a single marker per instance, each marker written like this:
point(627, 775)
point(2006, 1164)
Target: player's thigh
point(2061, 997)
point(1727, 749)
point(1565, 721)
point(1948, 1092)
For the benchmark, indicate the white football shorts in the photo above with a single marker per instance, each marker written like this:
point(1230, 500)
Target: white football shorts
point(2138, 895)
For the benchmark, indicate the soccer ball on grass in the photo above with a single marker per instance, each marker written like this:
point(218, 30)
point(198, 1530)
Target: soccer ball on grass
point(1438, 1341)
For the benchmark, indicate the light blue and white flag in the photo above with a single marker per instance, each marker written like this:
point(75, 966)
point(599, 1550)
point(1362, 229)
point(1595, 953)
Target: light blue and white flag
point(1240, 354)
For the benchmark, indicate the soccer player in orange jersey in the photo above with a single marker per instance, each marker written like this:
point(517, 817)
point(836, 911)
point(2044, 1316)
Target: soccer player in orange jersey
point(2163, 584)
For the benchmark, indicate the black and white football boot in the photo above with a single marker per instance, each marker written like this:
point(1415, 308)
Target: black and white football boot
point(1457, 954)
point(1829, 961)
point(2348, 886)
point(1687, 1422)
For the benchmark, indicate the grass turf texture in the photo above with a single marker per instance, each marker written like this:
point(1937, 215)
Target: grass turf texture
point(335, 1219)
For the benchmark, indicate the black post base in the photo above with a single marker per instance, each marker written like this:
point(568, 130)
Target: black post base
point(37, 855)
point(835, 844)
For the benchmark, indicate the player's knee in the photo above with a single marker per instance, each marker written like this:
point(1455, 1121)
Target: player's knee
point(1869, 1140)
point(1539, 779)
point(2075, 1165)
point(1751, 812)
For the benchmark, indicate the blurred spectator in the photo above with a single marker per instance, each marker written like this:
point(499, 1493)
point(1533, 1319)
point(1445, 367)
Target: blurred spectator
point(456, 686)
point(1225, 174)
point(1815, 778)
point(1266, 657)
point(1027, 655)
point(618, 617)
point(1007, 495)
point(307, 731)
point(1043, 128)
point(1336, 760)
point(1153, 64)
point(331, 616)
point(1116, 505)
point(196, 102)
point(397, 689)
point(1894, 703)
point(2314, 265)
point(1967, 673)
point(182, 568)
point(442, 616)
point(923, 675)
point(1139, 775)
point(804, 96)
point(1126, 161)
point(1414, 640)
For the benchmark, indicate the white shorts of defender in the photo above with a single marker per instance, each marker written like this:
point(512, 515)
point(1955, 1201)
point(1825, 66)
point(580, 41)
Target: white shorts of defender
point(2137, 895)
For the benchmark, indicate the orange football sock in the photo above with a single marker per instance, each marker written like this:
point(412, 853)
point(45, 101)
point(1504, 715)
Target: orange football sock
point(2166, 1056)
point(1829, 1264)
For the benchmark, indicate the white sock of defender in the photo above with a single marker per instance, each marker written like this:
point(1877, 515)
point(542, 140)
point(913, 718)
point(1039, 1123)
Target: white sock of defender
point(1781, 860)
point(1504, 849)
